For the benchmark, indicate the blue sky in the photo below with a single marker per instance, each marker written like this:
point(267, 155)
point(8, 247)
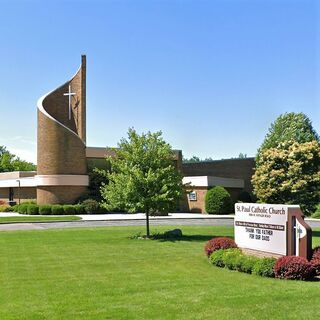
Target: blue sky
point(212, 75)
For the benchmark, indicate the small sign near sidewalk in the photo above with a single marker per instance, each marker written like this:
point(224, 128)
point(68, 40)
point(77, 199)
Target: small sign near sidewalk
point(272, 228)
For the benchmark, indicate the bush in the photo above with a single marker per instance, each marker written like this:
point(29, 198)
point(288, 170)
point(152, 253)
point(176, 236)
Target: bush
point(79, 209)
point(219, 243)
point(23, 208)
point(245, 197)
point(315, 260)
point(91, 206)
point(32, 209)
point(316, 214)
point(218, 201)
point(2, 203)
point(231, 258)
point(3, 207)
point(293, 268)
point(45, 209)
point(247, 263)
point(69, 209)
point(57, 209)
point(216, 258)
point(9, 209)
point(264, 267)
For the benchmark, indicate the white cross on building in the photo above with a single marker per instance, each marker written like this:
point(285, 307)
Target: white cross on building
point(69, 94)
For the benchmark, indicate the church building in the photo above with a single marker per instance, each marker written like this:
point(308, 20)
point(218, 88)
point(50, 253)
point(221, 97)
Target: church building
point(64, 159)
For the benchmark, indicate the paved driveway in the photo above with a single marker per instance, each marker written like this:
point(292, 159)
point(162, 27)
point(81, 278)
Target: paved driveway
point(132, 220)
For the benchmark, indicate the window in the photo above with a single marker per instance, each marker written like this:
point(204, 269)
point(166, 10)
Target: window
point(192, 196)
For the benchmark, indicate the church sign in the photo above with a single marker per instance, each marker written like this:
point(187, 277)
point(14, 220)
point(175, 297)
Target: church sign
point(272, 228)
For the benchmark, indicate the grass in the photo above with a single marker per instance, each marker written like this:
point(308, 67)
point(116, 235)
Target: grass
point(37, 219)
point(103, 274)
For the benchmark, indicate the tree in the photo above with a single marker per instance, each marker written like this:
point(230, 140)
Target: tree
point(10, 162)
point(142, 177)
point(283, 173)
point(290, 174)
point(195, 159)
point(289, 126)
point(242, 155)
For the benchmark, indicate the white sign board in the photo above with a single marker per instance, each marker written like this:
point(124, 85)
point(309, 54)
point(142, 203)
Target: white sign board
point(261, 227)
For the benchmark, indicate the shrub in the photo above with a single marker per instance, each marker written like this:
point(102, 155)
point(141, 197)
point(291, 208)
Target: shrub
point(79, 209)
point(247, 263)
point(218, 201)
point(293, 268)
point(315, 260)
point(264, 267)
point(45, 209)
point(244, 196)
point(69, 209)
point(57, 209)
point(231, 258)
point(9, 209)
point(216, 258)
point(32, 209)
point(23, 208)
point(3, 207)
point(2, 203)
point(219, 243)
point(316, 214)
point(91, 206)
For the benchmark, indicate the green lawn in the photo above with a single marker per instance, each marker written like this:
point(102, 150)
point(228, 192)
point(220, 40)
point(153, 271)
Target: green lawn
point(37, 219)
point(102, 274)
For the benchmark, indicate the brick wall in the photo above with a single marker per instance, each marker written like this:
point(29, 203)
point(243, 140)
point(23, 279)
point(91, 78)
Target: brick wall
point(229, 168)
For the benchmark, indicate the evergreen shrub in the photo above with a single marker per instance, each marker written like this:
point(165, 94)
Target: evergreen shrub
point(218, 201)
point(69, 209)
point(79, 209)
point(45, 209)
point(57, 209)
point(23, 208)
point(33, 209)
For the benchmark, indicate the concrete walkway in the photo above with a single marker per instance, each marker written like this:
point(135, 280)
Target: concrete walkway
point(112, 220)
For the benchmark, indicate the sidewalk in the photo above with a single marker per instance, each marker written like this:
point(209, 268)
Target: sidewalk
point(140, 216)
point(130, 216)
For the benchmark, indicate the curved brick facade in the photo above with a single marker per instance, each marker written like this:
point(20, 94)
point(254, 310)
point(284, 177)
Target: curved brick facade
point(61, 140)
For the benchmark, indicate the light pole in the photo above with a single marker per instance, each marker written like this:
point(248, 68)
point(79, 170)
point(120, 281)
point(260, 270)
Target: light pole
point(18, 191)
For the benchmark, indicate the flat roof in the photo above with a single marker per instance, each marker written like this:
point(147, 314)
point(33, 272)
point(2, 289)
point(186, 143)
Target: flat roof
point(210, 181)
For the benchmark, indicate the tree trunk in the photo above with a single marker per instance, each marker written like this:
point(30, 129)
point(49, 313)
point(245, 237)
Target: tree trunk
point(147, 224)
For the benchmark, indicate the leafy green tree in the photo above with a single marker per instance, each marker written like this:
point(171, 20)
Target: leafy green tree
point(142, 177)
point(283, 173)
point(195, 159)
point(289, 126)
point(10, 162)
point(289, 173)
